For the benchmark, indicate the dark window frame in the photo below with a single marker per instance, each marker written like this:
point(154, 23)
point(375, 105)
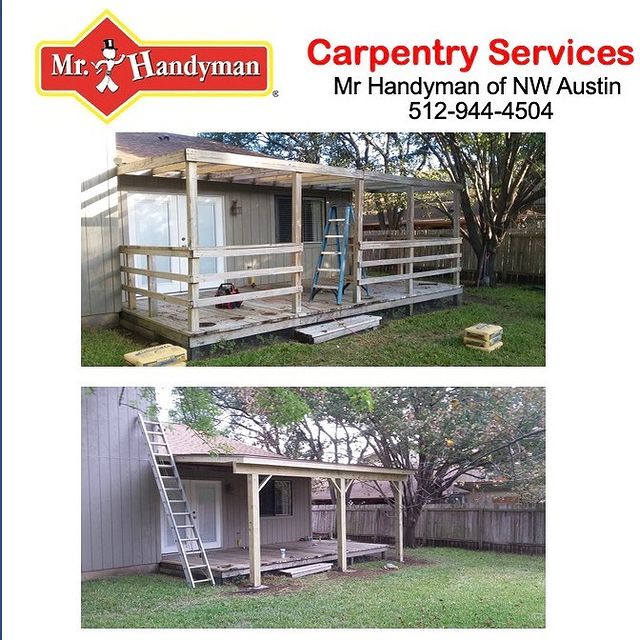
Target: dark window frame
point(269, 499)
point(283, 213)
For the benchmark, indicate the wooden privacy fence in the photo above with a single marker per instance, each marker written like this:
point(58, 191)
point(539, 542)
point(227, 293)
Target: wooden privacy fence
point(509, 528)
point(520, 256)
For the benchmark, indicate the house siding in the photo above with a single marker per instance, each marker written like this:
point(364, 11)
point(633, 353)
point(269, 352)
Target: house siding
point(104, 229)
point(120, 508)
point(234, 508)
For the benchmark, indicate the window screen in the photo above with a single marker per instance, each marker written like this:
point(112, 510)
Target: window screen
point(312, 219)
point(275, 498)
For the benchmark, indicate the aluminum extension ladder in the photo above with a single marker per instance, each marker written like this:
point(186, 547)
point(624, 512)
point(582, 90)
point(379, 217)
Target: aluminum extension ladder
point(176, 507)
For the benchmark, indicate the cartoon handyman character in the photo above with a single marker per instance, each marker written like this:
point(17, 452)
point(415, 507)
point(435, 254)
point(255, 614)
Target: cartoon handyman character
point(109, 54)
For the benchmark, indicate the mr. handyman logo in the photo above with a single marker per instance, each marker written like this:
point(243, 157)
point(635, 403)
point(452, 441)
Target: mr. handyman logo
point(107, 68)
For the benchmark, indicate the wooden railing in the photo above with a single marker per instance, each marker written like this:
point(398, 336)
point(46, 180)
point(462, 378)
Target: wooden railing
point(406, 263)
point(193, 301)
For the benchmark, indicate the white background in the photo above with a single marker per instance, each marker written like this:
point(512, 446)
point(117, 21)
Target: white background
point(592, 202)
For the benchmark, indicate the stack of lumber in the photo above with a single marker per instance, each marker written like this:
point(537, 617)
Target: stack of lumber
point(307, 570)
point(483, 337)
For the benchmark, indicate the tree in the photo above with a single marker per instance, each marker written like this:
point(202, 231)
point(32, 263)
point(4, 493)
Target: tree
point(440, 433)
point(503, 174)
point(382, 152)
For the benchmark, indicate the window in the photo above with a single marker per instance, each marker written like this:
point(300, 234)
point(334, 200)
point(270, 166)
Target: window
point(312, 219)
point(275, 498)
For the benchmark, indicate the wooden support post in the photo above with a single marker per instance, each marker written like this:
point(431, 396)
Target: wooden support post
point(356, 234)
point(152, 285)
point(253, 502)
point(480, 525)
point(193, 295)
point(411, 234)
point(296, 238)
point(457, 212)
point(131, 281)
point(193, 289)
point(398, 528)
point(341, 522)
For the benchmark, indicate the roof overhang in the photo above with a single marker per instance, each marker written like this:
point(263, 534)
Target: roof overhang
point(297, 468)
point(218, 166)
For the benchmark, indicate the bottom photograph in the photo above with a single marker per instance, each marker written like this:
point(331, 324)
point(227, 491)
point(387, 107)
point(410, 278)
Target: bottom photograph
point(336, 507)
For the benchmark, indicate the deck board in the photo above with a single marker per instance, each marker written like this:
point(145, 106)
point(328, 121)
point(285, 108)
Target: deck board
point(226, 563)
point(272, 314)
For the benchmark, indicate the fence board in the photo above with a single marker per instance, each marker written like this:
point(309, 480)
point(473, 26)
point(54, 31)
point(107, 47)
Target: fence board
point(512, 528)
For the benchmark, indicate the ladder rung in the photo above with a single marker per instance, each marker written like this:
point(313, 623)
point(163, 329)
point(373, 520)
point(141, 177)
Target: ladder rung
point(189, 540)
point(337, 219)
point(181, 513)
point(190, 553)
point(186, 526)
point(328, 269)
point(177, 500)
point(205, 580)
point(325, 286)
point(330, 253)
point(168, 466)
point(329, 235)
point(197, 566)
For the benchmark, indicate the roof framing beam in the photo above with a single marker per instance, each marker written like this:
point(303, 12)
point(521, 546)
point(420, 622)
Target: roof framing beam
point(304, 469)
point(146, 164)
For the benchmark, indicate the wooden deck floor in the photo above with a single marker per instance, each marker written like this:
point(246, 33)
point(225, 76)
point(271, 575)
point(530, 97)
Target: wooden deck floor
point(272, 314)
point(227, 563)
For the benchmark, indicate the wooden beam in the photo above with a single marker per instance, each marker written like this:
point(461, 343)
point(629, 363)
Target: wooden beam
point(407, 276)
point(263, 483)
point(191, 179)
point(341, 522)
point(299, 469)
point(401, 244)
point(249, 295)
point(253, 517)
point(296, 238)
point(457, 211)
point(411, 235)
point(152, 285)
point(193, 295)
point(249, 273)
point(145, 164)
point(356, 245)
point(398, 523)
point(181, 252)
point(169, 299)
point(415, 260)
point(246, 250)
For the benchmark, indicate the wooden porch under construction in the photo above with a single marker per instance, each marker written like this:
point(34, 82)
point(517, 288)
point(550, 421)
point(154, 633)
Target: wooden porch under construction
point(230, 563)
point(273, 278)
point(269, 314)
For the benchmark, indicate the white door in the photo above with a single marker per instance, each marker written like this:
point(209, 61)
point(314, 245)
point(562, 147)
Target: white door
point(205, 501)
point(161, 219)
point(210, 233)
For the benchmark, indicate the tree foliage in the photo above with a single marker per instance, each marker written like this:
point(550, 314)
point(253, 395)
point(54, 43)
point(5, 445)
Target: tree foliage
point(503, 174)
point(442, 434)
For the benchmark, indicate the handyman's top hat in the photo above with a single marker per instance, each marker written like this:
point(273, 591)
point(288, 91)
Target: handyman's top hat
point(109, 44)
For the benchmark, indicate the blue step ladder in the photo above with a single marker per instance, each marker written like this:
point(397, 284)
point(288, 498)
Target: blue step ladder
point(332, 260)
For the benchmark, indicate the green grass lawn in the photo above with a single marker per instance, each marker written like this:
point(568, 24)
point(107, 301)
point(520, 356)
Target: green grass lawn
point(426, 339)
point(452, 588)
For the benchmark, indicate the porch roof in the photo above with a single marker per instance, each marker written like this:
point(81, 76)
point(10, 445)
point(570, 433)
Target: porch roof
point(219, 166)
point(263, 465)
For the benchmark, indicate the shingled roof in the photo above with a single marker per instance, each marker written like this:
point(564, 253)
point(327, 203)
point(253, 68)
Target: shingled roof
point(185, 441)
point(134, 145)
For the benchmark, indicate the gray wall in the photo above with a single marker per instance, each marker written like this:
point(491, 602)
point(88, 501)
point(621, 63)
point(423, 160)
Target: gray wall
point(234, 508)
point(104, 229)
point(120, 504)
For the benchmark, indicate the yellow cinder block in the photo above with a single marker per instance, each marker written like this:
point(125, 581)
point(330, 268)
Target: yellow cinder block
point(164, 355)
point(493, 347)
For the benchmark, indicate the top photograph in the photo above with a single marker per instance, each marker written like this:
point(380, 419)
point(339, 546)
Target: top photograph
point(315, 249)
